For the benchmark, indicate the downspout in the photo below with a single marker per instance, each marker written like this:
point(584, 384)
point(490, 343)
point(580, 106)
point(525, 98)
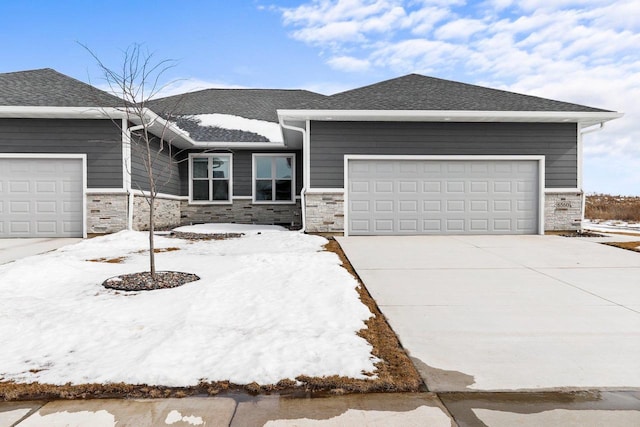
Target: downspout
point(130, 197)
point(584, 195)
point(305, 153)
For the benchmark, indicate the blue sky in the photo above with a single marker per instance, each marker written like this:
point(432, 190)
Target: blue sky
point(583, 51)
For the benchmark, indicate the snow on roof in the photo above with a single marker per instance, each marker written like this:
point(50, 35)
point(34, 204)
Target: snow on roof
point(269, 130)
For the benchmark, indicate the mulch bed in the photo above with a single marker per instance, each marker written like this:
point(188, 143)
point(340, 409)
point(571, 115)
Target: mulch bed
point(395, 372)
point(143, 281)
point(202, 236)
point(574, 233)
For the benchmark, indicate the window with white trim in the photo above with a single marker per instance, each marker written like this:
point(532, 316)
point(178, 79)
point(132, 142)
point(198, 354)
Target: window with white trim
point(210, 178)
point(274, 178)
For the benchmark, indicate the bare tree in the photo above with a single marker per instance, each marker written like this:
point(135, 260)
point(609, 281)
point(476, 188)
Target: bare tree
point(136, 81)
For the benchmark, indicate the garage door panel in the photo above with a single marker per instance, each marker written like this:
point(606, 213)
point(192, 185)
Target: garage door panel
point(455, 186)
point(408, 206)
point(44, 207)
point(408, 187)
point(455, 205)
point(383, 186)
point(452, 196)
point(479, 206)
point(383, 206)
point(19, 186)
point(43, 197)
point(383, 225)
point(479, 187)
point(479, 225)
point(360, 186)
point(431, 187)
point(432, 206)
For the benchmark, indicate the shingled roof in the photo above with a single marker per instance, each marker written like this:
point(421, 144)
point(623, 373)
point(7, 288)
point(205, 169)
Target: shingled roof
point(258, 104)
point(254, 104)
point(48, 88)
point(418, 92)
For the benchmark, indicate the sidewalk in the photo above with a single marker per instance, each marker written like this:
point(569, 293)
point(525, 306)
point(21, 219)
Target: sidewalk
point(402, 409)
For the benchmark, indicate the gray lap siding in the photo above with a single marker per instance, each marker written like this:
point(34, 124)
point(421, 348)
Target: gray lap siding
point(165, 168)
point(330, 141)
point(100, 140)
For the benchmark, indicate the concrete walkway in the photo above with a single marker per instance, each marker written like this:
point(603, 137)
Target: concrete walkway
point(508, 313)
point(611, 409)
point(14, 249)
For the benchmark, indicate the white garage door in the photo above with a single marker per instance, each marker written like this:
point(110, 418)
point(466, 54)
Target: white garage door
point(41, 197)
point(442, 197)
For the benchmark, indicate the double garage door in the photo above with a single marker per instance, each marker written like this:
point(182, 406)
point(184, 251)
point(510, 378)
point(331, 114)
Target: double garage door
point(395, 197)
point(41, 197)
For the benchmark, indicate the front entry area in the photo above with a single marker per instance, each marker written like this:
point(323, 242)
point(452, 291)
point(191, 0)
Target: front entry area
point(409, 196)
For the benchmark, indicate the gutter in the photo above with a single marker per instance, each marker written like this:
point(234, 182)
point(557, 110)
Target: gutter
point(305, 153)
point(584, 195)
point(128, 131)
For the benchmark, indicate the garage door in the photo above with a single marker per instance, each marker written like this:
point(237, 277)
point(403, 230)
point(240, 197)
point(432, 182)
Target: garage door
point(41, 197)
point(442, 197)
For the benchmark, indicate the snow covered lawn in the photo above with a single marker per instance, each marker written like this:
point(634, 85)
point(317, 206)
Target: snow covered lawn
point(268, 306)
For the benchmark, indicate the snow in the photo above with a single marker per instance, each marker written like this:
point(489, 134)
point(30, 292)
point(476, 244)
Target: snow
point(269, 130)
point(268, 306)
point(610, 225)
point(228, 228)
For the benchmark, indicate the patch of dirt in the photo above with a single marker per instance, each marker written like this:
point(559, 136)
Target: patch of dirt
point(630, 246)
point(118, 260)
point(158, 250)
point(143, 281)
point(574, 233)
point(395, 372)
point(201, 236)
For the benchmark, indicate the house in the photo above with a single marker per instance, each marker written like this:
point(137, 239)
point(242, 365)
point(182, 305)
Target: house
point(411, 155)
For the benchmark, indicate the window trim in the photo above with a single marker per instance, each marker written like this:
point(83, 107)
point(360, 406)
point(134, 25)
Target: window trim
point(254, 156)
point(209, 179)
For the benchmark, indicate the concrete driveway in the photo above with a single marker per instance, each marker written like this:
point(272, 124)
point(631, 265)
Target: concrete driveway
point(508, 312)
point(13, 249)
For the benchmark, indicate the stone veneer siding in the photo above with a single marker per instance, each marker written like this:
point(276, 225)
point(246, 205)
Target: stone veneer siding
point(166, 214)
point(562, 211)
point(106, 212)
point(243, 211)
point(324, 212)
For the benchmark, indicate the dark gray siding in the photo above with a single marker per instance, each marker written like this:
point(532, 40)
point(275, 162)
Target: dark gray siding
point(330, 141)
point(165, 168)
point(100, 140)
point(242, 172)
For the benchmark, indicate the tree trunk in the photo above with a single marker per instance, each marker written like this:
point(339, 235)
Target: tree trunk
point(152, 254)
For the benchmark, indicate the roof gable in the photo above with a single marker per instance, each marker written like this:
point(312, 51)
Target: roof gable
point(48, 88)
point(418, 92)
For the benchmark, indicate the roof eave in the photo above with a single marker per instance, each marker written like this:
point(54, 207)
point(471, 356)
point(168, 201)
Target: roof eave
point(586, 118)
point(159, 126)
point(37, 112)
point(240, 145)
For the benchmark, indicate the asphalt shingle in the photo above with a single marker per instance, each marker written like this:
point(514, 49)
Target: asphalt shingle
point(48, 88)
point(258, 104)
point(418, 92)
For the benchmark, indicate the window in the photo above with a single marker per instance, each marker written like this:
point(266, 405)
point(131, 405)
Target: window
point(273, 178)
point(210, 178)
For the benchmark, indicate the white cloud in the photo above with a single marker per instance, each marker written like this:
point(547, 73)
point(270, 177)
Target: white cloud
point(459, 29)
point(581, 51)
point(348, 63)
